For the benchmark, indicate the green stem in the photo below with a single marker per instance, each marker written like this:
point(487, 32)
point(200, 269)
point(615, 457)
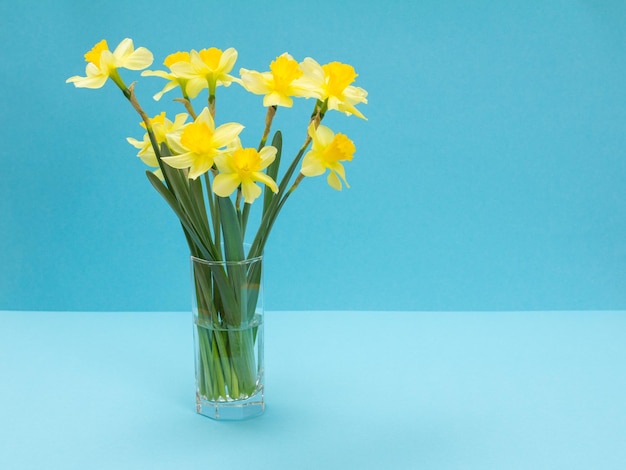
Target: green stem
point(212, 87)
point(117, 79)
point(209, 197)
point(223, 353)
point(238, 209)
point(269, 117)
point(219, 373)
point(205, 369)
point(188, 106)
point(234, 385)
point(244, 219)
point(214, 210)
point(276, 204)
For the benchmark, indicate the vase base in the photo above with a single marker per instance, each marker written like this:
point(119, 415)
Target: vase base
point(236, 410)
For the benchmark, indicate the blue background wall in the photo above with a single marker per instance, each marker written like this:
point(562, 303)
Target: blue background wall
point(491, 174)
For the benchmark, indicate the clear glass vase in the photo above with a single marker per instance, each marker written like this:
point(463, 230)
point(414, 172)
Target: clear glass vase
point(228, 337)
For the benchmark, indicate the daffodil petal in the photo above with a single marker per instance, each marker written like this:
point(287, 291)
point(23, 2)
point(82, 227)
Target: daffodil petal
point(139, 59)
point(250, 191)
point(195, 86)
point(173, 141)
point(338, 168)
point(158, 173)
point(182, 161)
point(148, 157)
point(224, 163)
point(355, 94)
point(134, 142)
point(311, 165)
point(334, 181)
point(266, 180)
point(124, 49)
point(234, 145)
point(324, 135)
point(228, 81)
point(169, 86)
point(312, 70)
point(179, 120)
point(96, 81)
point(195, 63)
point(183, 69)
point(157, 73)
point(226, 133)
point(225, 184)
point(306, 88)
point(107, 61)
point(277, 99)
point(255, 82)
point(200, 167)
point(267, 155)
point(348, 109)
point(228, 59)
point(206, 118)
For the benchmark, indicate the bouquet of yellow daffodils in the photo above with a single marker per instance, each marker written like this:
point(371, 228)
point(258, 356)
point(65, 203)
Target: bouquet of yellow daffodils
point(210, 179)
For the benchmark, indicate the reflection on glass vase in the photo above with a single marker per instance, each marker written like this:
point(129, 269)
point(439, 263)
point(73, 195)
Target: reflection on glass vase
point(227, 304)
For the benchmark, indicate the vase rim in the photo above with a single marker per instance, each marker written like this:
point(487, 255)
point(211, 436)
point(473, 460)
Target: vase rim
point(195, 259)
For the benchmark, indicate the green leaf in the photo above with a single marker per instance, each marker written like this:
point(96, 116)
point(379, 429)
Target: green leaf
point(189, 195)
point(180, 213)
point(233, 251)
point(272, 170)
point(244, 219)
point(271, 212)
point(233, 241)
point(199, 207)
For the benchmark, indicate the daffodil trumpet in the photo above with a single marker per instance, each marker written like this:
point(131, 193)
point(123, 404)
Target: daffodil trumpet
point(211, 180)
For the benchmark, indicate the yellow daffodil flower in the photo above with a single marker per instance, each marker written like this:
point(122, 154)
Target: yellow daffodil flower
point(174, 80)
point(206, 68)
point(161, 126)
point(284, 80)
point(327, 151)
point(333, 82)
point(198, 143)
point(244, 166)
point(103, 64)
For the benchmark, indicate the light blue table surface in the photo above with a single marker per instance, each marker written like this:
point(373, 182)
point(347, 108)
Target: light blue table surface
point(344, 390)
